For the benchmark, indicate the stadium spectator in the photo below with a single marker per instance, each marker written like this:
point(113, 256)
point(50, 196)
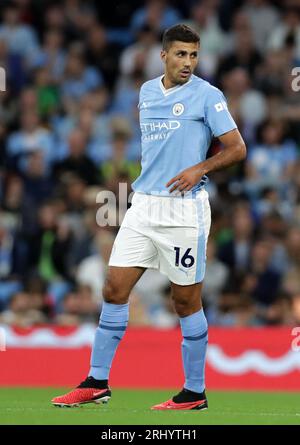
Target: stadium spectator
point(70, 312)
point(119, 164)
point(88, 307)
point(78, 306)
point(270, 203)
point(52, 55)
point(80, 17)
point(31, 136)
point(39, 299)
point(49, 246)
point(124, 105)
point(215, 278)
point(236, 251)
point(143, 55)
point(271, 73)
point(233, 309)
point(244, 55)
point(157, 14)
point(240, 25)
point(288, 28)
point(265, 280)
point(155, 294)
point(90, 116)
point(280, 312)
point(103, 54)
point(13, 64)
point(20, 38)
point(271, 163)
point(28, 100)
point(78, 77)
point(263, 18)
point(20, 312)
point(91, 271)
point(77, 161)
point(36, 179)
point(47, 93)
point(73, 195)
point(243, 99)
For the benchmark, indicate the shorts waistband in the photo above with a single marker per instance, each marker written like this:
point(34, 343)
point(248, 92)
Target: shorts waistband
point(193, 195)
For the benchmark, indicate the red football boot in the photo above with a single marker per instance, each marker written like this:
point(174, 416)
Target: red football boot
point(86, 392)
point(184, 400)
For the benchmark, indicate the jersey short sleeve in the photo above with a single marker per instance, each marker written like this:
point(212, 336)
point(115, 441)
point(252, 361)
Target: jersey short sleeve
point(140, 99)
point(217, 116)
point(141, 96)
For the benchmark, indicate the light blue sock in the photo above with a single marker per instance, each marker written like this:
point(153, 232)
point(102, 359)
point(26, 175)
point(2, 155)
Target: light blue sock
point(109, 333)
point(193, 348)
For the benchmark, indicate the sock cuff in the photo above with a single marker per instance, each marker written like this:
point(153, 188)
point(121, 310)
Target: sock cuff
point(194, 324)
point(114, 312)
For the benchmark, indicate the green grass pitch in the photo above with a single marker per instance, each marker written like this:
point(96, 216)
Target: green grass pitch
point(31, 406)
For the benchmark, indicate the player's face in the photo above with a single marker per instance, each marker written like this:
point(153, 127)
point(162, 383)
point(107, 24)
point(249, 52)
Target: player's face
point(180, 62)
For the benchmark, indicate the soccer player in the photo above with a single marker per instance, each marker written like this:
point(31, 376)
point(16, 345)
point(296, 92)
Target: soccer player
point(168, 224)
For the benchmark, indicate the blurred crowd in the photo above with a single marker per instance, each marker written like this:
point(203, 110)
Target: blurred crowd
point(69, 129)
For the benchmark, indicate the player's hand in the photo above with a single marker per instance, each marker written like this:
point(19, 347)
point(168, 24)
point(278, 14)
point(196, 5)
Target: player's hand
point(184, 181)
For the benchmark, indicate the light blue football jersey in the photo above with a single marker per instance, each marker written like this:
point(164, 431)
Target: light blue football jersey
point(177, 126)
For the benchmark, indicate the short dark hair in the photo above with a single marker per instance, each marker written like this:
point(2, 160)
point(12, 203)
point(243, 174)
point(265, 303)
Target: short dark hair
point(182, 33)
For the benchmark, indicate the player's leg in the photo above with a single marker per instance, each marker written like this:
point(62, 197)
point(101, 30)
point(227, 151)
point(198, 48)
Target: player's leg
point(132, 253)
point(113, 322)
point(194, 328)
point(188, 305)
point(114, 318)
point(186, 299)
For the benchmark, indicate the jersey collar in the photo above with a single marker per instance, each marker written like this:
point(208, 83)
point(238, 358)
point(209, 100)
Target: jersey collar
point(167, 92)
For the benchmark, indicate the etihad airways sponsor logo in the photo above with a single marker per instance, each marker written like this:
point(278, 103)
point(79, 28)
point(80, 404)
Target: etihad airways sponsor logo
point(158, 130)
point(159, 126)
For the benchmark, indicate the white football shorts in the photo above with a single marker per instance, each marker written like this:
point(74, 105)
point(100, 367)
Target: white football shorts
point(165, 233)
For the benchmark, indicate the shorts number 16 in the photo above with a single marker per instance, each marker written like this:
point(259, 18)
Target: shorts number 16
point(186, 259)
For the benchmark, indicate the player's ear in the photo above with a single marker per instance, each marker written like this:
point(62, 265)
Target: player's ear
point(163, 55)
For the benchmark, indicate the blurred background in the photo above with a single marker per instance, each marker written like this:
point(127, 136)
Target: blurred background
point(69, 129)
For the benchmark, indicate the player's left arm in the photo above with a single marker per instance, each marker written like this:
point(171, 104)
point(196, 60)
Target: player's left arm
point(234, 151)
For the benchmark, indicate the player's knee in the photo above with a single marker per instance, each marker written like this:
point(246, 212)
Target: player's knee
point(113, 293)
point(180, 303)
point(182, 308)
point(185, 306)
